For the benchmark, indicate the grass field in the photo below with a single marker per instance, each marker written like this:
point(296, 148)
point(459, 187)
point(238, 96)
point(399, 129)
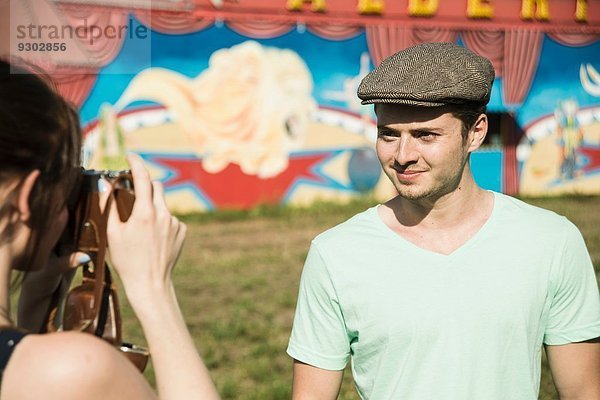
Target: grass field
point(238, 278)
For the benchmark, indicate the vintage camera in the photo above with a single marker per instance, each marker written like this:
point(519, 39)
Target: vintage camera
point(93, 306)
point(86, 214)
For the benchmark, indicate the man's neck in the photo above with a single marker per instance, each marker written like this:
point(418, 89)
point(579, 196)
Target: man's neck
point(441, 226)
point(464, 200)
point(444, 211)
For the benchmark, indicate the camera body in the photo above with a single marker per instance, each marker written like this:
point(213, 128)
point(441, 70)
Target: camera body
point(87, 216)
point(93, 306)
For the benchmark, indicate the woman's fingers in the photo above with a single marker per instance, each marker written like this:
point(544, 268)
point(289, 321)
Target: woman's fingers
point(114, 221)
point(142, 185)
point(179, 237)
point(158, 197)
point(104, 190)
point(144, 249)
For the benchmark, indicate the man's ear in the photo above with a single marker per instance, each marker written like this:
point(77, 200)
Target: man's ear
point(478, 132)
point(25, 189)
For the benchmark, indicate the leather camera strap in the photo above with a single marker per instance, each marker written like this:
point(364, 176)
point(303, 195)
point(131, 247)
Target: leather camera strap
point(104, 304)
point(97, 271)
point(103, 285)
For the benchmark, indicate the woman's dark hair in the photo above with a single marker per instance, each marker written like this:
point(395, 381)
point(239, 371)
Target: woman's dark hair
point(38, 130)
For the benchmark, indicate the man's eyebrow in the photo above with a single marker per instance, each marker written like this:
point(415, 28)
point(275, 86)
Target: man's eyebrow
point(420, 129)
point(428, 129)
point(386, 129)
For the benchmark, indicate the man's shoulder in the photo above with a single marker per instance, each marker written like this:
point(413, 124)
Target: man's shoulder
point(521, 215)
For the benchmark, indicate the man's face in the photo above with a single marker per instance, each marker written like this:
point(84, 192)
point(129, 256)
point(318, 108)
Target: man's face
point(421, 150)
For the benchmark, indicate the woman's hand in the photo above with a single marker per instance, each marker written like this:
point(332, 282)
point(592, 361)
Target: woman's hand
point(144, 249)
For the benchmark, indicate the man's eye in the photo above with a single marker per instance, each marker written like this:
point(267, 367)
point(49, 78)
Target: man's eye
point(425, 135)
point(387, 135)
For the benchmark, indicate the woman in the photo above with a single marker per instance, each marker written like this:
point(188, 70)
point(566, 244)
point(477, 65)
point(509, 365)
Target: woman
point(39, 155)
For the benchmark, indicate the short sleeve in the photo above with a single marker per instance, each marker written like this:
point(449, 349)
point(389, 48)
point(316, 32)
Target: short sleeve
point(575, 307)
point(319, 335)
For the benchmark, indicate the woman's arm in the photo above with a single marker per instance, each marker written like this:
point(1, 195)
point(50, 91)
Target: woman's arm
point(144, 250)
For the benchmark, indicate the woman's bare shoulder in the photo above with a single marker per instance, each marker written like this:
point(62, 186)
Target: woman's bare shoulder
point(71, 365)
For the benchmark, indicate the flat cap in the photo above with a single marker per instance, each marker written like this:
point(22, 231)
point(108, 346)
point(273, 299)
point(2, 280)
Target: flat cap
point(429, 75)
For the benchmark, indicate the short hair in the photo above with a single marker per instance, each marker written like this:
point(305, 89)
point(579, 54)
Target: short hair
point(468, 114)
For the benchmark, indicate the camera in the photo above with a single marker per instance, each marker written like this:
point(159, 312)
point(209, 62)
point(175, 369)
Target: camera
point(87, 217)
point(93, 306)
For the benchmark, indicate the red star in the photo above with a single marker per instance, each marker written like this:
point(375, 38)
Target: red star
point(231, 188)
point(592, 154)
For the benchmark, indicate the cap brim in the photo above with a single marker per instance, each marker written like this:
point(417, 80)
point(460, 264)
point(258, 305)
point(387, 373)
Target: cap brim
point(405, 102)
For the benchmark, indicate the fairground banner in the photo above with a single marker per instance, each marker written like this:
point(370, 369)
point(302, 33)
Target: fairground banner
point(235, 104)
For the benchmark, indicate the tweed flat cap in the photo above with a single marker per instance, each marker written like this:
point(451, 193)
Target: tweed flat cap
point(429, 75)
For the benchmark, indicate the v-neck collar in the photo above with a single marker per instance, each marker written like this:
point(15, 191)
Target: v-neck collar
point(487, 226)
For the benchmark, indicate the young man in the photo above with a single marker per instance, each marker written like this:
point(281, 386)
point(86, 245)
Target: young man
point(447, 291)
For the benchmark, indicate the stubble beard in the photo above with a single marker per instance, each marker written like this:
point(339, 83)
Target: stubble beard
point(416, 192)
point(427, 190)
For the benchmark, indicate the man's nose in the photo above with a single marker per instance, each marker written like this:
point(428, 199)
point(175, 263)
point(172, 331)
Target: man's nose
point(406, 153)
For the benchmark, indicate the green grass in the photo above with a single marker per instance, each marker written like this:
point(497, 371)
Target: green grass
point(238, 278)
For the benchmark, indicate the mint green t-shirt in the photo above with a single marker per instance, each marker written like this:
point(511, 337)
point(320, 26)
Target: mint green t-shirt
point(469, 325)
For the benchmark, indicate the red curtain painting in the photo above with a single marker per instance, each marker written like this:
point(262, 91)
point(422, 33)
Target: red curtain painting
point(75, 84)
point(335, 32)
point(101, 48)
point(385, 40)
point(172, 22)
point(260, 29)
point(425, 35)
point(489, 44)
point(521, 54)
point(573, 38)
point(511, 133)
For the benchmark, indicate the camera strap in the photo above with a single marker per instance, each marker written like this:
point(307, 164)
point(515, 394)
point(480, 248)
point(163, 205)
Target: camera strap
point(106, 312)
point(104, 304)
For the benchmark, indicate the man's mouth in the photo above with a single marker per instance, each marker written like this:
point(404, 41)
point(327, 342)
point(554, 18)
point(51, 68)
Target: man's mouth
point(407, 174)
point(406, 171)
